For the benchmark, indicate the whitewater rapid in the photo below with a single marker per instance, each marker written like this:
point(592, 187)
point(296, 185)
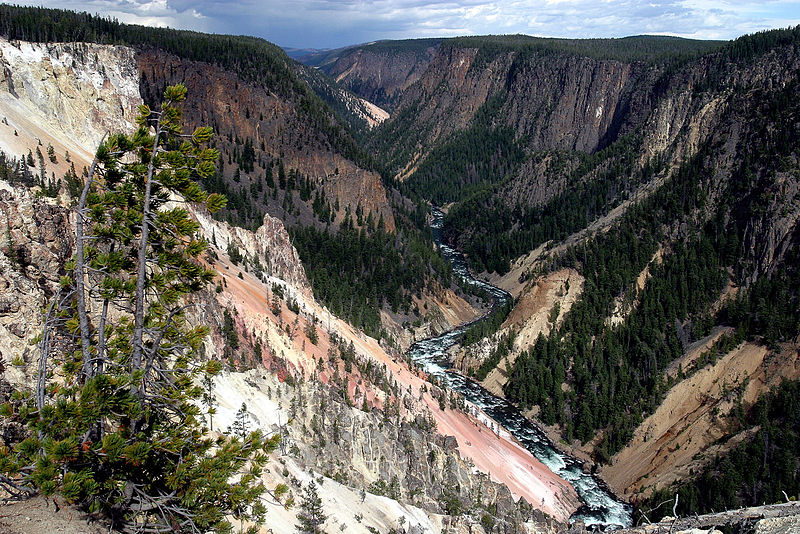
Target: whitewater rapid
point(600, 507)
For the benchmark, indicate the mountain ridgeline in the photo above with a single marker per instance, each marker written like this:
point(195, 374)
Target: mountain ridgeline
point(665, 173)
point(639, 198)
point(287, 137)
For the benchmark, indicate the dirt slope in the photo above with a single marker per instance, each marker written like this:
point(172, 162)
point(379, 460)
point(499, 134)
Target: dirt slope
point(693, 417)
point(499, 456)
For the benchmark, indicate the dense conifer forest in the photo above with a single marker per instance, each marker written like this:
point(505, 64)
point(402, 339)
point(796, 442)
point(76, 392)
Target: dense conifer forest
point(468, 161)
point(642, 48)
point(617, 371)
point(357, 272)
point(382, 269)
point(692, 236)
point(492, 233)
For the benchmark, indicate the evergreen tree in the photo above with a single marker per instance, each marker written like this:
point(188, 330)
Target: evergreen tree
point(114, 422)
point(311, 516)
point(241, 424)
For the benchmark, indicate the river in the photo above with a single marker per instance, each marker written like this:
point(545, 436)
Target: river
point(600, 507)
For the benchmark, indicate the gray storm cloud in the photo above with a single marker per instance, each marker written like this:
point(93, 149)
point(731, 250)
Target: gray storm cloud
point(330, 23)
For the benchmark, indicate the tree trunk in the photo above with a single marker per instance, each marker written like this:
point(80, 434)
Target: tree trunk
point(141, 275)
point(80, 272)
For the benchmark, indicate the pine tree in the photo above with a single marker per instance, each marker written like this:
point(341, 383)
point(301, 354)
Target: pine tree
point(311, 516)
point(241, 424)
point(114, 421)
point(209, 399)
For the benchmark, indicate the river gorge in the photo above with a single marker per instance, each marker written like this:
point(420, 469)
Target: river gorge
point(600, 507)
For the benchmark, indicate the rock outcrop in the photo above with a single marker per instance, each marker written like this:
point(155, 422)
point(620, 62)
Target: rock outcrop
point(268, 248)
point(74, 91)
point(442, 459)
point(36, 243)
point(769, 519)
point(279, 128)
point(381, 74)
point(727, 115)
point(358, 372)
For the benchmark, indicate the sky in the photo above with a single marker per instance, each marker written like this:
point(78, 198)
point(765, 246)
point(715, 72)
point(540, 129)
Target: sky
point(337, 23)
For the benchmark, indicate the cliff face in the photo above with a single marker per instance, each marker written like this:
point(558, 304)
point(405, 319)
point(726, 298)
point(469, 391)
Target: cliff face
point(36, 243)
point(563, 102)
point(268, 247)
point(551, 101)
point(399, 456)
point(66, 94)
point(278, 131)
point(564, 109)
point(554, 100)
point(378, 74)
point(396, 439)
point(572, 103)
point(427, 461)
point(605, 135)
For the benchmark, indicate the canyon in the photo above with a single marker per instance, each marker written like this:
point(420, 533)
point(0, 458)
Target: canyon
point(386, 442)
point(538, 150)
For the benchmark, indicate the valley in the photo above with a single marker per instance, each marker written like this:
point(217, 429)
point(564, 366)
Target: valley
point(599, 506)
point(474, 284)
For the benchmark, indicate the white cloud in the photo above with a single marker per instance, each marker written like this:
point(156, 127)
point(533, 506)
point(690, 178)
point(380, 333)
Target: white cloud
point(339, 22)
point(160, 13)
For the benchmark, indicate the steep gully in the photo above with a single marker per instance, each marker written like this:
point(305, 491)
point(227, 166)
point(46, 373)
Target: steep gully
point(600, 507)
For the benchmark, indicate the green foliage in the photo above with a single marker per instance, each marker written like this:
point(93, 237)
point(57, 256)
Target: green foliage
point(15, 171)
point(253, 59)
point(487, 522)
point(118, 429)
point(330, 93)
point(311, 516)
point(357, 272)
point(753, 45)
point(402, 45)
point(241, 423)
point(404, 125)
point(280, 491)
point(639, 48)
point(503, 348)
point(390, 489)
point(311, 333)
point(770, 307)
point(229, 330)
point(492, 233)
point(450, 501)
point(488, 325)
point(481, 154)
point(617, 372)
point(234, 254)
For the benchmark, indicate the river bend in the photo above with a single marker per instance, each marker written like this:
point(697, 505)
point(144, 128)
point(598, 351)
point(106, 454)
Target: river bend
point(600, 507)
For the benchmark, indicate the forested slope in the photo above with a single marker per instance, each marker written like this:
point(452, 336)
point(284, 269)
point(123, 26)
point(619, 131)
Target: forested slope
point(284, 151)
point(379, 71)
point(665, 173)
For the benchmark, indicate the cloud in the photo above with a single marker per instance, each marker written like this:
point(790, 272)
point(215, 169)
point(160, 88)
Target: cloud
point(160, 13)
point(333, 23)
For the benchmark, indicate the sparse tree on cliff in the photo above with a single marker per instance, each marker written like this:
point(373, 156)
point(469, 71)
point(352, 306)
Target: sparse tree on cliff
point(311, 516)
point(241, 423)
point(116, 424)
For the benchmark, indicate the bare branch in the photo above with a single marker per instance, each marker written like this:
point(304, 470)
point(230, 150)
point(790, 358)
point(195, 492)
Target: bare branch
point(80, 267)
